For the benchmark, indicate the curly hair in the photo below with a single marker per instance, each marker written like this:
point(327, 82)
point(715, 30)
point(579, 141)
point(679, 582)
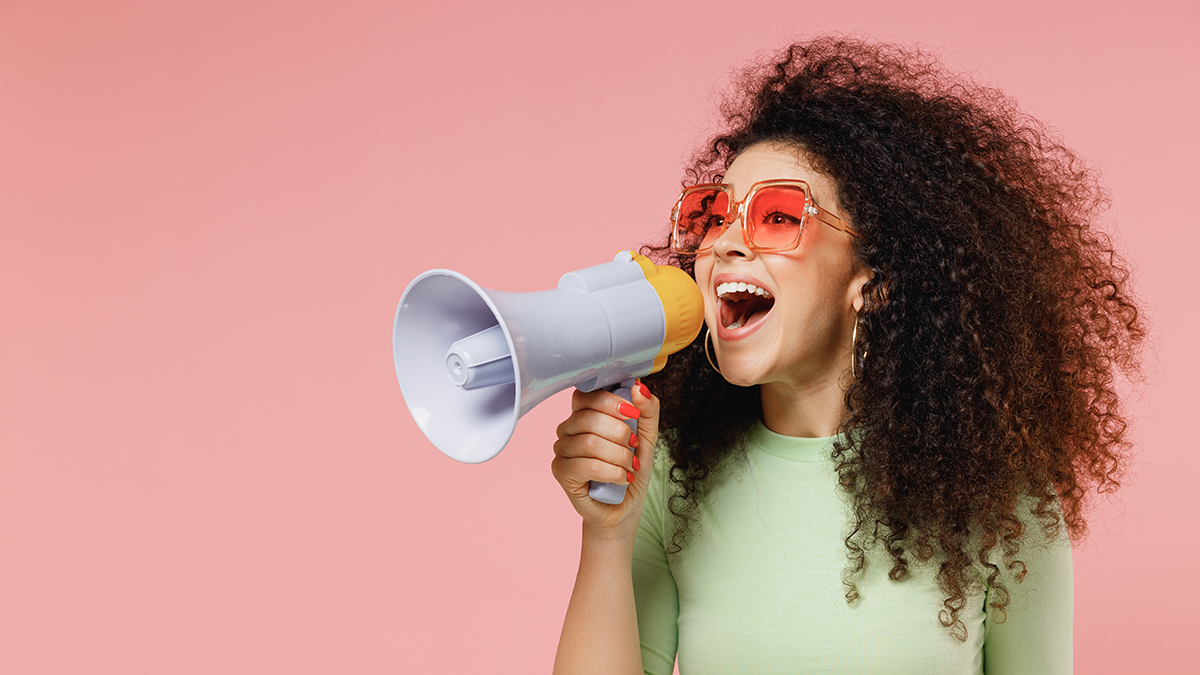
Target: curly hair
point(995, 324)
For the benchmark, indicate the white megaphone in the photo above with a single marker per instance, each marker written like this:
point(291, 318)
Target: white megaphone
point(472, 361)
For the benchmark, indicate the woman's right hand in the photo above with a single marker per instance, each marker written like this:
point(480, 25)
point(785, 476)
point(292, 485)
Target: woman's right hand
point(594, 444)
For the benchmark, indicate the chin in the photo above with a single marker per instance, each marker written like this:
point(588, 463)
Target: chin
point(739, 372)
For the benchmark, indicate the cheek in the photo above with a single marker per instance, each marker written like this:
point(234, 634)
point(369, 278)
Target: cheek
point(813, 290)
point(703, 269)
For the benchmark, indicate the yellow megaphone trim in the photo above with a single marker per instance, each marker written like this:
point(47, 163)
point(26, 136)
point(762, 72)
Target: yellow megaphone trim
point(683, 306)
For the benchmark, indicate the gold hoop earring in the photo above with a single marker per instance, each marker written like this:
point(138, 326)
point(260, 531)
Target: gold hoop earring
point(707, 337)
point(854, 349)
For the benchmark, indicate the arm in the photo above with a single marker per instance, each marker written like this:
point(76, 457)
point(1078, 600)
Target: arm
point(600, 632)
point(1037, 635)
point(654, 586)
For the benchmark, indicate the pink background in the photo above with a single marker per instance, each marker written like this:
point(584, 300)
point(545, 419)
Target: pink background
point(209, 210)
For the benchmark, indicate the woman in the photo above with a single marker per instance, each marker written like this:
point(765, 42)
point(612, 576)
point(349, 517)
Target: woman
point(873, 458)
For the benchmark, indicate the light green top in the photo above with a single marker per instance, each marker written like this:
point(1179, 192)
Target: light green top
point(758, 589)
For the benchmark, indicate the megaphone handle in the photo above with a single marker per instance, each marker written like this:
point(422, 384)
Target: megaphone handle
point(611, 493)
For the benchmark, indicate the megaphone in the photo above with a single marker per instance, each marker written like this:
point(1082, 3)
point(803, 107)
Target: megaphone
point(472, 361)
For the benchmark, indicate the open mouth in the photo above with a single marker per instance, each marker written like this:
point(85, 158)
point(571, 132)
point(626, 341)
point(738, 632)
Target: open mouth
point(742, 304)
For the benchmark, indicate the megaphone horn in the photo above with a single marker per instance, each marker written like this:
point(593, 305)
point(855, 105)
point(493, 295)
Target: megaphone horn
point(472, 361)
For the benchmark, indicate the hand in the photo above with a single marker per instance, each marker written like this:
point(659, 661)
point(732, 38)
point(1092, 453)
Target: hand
point(594, 444)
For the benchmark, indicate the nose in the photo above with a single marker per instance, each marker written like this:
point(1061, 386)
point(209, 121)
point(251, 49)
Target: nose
point(732, 242)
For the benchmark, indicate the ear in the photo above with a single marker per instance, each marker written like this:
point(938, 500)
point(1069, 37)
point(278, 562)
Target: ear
point(857, 283)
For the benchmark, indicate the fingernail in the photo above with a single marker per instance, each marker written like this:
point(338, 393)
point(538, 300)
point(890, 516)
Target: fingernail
point(645, 391)
point(633, 444)
point(629, 475)
point(636, 464)
point(628, 410)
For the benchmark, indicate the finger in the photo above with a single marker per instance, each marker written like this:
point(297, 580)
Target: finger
point(648, 407)
point(591, 446)
point(581, 400)
point(605, 402)
point(644, 401)
point(616, 447)
point(596, 423)
point(575, 473)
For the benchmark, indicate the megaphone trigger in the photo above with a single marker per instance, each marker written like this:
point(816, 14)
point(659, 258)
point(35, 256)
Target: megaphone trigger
point(471, 361)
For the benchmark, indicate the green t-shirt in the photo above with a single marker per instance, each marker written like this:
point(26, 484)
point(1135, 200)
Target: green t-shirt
point(758, 588)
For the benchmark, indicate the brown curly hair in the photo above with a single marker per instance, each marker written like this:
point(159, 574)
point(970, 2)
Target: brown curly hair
point(997, 319)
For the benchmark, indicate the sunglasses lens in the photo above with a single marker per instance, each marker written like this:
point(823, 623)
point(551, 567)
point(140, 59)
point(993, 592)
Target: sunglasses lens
point(698, 223)
point(775, 216)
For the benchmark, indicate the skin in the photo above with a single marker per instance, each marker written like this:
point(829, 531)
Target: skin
point(799, 352)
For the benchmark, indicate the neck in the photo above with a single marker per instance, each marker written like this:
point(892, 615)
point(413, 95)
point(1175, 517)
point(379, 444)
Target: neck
point(814, 410)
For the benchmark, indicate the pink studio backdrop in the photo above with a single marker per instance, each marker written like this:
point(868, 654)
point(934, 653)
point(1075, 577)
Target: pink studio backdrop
point(208, 211)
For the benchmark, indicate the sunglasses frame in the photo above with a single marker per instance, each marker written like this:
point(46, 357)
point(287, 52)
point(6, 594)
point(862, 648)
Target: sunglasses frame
point(739, 208)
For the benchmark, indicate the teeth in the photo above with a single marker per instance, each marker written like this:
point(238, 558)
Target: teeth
point(735, 324)
point(741, 287)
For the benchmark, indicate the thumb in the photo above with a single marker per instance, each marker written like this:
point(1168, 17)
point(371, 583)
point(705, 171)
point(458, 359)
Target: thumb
point(648, 405)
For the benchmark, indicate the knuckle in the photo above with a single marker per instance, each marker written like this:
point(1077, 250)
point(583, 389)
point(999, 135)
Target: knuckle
point(578, 401)
point(603, 471)
point(595, 445)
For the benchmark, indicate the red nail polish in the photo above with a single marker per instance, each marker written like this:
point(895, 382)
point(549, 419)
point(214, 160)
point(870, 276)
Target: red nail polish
point(628, 410)
point(645, 391)
point(629, 476)
point(633, 444)
point(636, 464)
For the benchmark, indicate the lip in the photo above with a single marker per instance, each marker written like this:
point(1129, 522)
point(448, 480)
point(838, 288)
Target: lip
point(731, 335)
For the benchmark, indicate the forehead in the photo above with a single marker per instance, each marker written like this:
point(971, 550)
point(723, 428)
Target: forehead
point(768, 161)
